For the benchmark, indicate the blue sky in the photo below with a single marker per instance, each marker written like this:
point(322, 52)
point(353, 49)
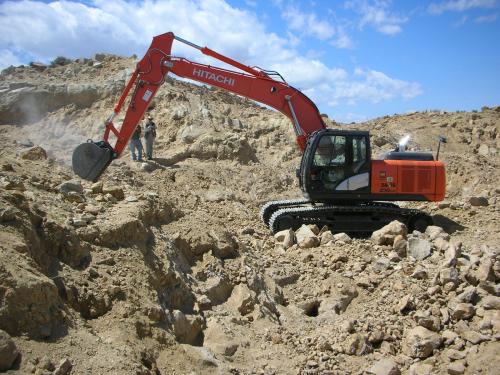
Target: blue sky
point(357, 59)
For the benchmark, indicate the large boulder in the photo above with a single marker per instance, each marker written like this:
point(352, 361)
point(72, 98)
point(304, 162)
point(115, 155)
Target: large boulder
point(358, 344)
point(114, 190)
point(386, 235)
point(217, 289)
point(285, 237)
point(306, 238)
point(34, 153)
point(71, 186)
point(385, 366)
point(218, 341)
point(420, 342)
point(418, 248)
point(8, 351)
point(434, 232)
point(338, 303)
point(326, 237)
point(478, 201)
point(343, 237)
point(196, 243)
point(30, 303)
point(188, 329)
point(242, 299)
point(225, 246)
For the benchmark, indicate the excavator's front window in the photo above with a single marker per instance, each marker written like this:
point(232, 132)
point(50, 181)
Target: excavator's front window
point(329, 160)
point(330, 151)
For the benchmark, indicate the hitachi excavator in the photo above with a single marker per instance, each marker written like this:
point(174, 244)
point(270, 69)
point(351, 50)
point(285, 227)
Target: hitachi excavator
point(343, 187)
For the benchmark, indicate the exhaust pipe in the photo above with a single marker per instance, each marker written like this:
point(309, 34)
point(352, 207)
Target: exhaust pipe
point(91, 159)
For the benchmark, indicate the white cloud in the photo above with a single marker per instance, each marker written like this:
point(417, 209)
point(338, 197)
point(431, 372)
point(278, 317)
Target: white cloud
point(372, 86)
point(460, 5)
point(8, 58)
point(352, 117)
point(487, 19)
point(342, 40)
point(377, 15)
point(43, 31)
point(308, 24)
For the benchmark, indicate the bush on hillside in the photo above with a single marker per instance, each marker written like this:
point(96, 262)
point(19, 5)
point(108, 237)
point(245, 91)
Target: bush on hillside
point(60, 61)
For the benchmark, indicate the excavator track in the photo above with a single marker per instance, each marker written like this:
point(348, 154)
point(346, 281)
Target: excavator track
point(271, 207)
point(363, 218)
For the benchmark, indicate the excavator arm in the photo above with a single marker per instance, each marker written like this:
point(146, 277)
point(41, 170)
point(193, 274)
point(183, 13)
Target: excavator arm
point(92, 158)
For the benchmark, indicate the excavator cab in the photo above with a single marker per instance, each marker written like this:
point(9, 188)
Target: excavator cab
point(336, 165)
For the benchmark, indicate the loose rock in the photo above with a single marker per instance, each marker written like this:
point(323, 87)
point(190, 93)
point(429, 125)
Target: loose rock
point(8, 351)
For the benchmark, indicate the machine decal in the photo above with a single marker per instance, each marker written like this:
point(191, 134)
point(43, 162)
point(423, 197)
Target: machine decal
point(387, 184)
point(213, 77)
point(147, 95)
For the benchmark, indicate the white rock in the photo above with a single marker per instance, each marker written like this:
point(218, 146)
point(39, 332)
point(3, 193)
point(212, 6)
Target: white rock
point(418, 248)
point(326, 237)
point(456, 368)
point(461, 311)
point(342, 237)
point(434, 232)
point(306, 237)
point(491, 303)
point(420, 342)
point(242, 299)
point(386, 235)
point(285, 237)
point(384, 366)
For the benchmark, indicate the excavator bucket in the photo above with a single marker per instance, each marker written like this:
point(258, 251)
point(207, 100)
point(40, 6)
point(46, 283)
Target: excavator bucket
point(91, 159)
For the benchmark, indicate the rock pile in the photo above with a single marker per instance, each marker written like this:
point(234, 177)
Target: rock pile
point(449, 308)
point(164, 267)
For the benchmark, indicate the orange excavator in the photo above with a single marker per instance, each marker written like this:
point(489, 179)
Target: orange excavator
point(343, 187)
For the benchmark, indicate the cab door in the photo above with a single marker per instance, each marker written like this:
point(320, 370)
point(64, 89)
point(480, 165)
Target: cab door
point(338, 164)
point(358, 166)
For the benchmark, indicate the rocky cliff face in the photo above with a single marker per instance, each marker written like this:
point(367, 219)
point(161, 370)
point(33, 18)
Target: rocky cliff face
point(163, 267)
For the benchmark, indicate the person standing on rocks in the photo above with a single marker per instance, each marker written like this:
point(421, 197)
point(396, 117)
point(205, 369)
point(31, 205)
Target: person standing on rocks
point(149, 137)
point(136, 144)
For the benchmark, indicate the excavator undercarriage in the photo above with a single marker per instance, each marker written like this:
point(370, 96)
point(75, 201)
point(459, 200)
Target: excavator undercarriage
point(359, 218)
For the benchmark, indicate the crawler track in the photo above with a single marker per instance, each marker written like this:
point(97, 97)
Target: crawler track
point(271, 207)
point(362, 218)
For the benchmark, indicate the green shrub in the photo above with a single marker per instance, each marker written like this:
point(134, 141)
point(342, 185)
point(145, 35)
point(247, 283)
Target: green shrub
point(60, 60)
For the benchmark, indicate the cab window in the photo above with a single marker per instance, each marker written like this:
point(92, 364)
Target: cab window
point(358, 153)
point(330, 151)
point(330, 160)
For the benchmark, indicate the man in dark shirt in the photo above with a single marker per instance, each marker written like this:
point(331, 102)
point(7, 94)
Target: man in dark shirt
point(135, 143)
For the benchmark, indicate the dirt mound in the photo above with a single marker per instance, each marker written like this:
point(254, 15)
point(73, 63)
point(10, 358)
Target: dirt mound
point(164, 267)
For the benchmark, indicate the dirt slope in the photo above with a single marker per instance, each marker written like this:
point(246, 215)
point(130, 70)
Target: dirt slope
point(165, 268)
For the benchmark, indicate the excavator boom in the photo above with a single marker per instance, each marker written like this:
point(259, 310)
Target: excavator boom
point(92, 158)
